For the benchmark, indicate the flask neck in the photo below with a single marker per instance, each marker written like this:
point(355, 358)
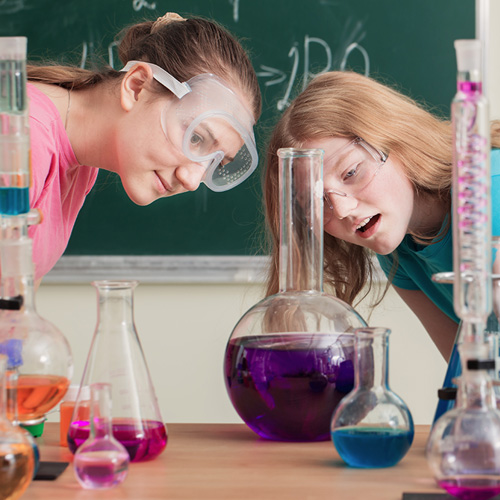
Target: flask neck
point(16, 261)
point(475, 392)
point(372, 358)
point(100, 411)
point(301, 221)
point(115, 304)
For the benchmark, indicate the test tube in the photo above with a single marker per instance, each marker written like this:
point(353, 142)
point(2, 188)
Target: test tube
point(14, 128)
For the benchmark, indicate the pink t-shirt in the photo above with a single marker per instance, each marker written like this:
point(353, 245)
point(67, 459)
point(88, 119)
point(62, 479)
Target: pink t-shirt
point(59, 183)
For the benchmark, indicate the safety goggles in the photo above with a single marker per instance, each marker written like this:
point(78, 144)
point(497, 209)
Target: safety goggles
point(210, 125)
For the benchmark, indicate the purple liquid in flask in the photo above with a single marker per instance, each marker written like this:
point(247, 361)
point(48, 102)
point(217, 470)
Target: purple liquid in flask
point(286, 386)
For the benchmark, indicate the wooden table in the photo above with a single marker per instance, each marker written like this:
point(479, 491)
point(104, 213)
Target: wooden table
point(229, 461)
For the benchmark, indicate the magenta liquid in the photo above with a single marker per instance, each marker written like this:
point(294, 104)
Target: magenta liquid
point(286, 387)
point(471, 488)
point(143, 441)
point(101, 469)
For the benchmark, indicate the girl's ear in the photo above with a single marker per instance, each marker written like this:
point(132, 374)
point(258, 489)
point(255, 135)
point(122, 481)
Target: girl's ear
point(133, 83)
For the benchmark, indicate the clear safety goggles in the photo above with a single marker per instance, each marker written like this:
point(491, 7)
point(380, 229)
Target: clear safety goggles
point(210, 125)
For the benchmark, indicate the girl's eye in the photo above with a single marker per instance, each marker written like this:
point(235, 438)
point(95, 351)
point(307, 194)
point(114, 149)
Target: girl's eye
point(196, 140)
point(353, 172)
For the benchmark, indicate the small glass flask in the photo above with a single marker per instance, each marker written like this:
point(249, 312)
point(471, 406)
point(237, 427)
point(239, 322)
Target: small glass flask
point(289, 360)
point(116, 358)
point(102, 461)
point(372, 426)
point(462, 450)
point(16, 452)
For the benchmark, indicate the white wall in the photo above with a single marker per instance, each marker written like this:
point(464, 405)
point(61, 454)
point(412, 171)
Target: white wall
point(184, 330)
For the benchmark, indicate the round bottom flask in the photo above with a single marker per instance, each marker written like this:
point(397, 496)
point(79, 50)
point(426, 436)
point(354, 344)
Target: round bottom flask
point(16, 452)
point(462, 449)
point(289, 360)
point(372, 426)
point(102, 461)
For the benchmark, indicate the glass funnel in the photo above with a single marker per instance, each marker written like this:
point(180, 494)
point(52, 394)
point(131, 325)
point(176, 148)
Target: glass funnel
point(102, 461)
point(462, 450)
point(116, 358)
point(16, 452)
point(289, 359)
point(372, 426)
point(44, 363)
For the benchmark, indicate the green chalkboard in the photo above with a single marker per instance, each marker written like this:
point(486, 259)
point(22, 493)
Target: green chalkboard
point(406, 43)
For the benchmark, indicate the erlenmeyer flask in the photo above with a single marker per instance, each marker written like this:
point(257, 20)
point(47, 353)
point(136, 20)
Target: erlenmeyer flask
point(116, 358)
point(372, 426)
point(289, 360)
point(16, 452)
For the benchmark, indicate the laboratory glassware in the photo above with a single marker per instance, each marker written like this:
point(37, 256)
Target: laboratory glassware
point(116, 357)
point(472, 277)
point(462, 449)
point(14, 129)
point(16, 452)
point(12, 349)
point(289, 359)
point(471, 192)
point(45, 362)
point(101, 462)
point(372, 426)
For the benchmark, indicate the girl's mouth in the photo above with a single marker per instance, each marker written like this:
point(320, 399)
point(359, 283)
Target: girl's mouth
point(368, 223)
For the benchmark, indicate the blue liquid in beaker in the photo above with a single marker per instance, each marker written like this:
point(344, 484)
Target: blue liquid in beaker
point(371, 447)
point(14, 200)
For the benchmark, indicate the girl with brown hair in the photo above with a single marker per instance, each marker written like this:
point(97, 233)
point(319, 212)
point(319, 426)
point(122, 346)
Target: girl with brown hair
point(181, 111)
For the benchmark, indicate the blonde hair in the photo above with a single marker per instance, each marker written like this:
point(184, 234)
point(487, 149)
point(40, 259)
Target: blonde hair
point(347, 104)
point(183, 47)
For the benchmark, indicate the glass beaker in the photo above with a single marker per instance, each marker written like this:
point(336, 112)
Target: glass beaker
point(16, 452)
point(289, 359)
point(372, 426)
point(462, 449)
point(45, 363)
point(102, 461)
point(116, 358)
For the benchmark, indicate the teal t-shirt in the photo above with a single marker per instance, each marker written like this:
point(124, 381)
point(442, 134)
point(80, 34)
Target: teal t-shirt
point(417, 263)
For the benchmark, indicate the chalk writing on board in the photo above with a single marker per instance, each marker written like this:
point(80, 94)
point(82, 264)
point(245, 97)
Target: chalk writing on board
point(137, 5)
point(11, 6)
point(236, 10)
point(275, 76)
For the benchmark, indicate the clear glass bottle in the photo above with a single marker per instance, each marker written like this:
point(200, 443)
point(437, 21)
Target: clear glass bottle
point(45, 361)
point(289, 359)
point(16, 453)
point(116, 358)
point(372, 426)
point(462, 450)
point(101, 462)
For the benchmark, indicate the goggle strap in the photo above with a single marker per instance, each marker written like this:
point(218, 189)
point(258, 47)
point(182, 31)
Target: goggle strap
point(166, 79)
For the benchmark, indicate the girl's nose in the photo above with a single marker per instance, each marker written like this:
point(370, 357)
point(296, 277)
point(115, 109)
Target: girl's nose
point(342, 205)
point(190, 175)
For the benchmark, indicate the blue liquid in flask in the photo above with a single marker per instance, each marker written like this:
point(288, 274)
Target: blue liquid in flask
point(372, 447)
point(14, 200)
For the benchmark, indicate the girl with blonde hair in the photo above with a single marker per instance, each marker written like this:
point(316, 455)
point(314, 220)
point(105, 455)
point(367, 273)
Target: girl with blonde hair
point(387, 181)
